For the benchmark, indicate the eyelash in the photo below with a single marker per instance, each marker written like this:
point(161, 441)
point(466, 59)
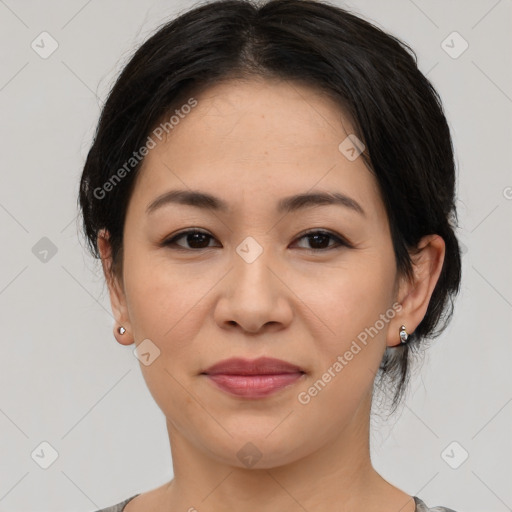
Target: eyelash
point(340, 242)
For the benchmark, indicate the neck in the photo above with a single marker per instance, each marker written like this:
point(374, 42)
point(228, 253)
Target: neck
point(339, 475)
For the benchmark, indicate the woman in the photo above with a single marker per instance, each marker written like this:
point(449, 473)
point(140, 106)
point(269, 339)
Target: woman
point(271, 193)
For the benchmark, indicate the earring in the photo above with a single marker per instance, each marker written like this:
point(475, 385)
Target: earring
point(403, 335)
point(121, 330)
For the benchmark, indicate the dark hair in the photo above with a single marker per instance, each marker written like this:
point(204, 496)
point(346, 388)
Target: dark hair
point(374, 78)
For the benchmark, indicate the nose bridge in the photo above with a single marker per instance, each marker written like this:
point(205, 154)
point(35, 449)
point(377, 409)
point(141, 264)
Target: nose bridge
point(253, 297)
point(251, 262)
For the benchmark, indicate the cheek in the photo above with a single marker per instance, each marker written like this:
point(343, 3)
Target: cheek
point(156, 292)
point(168, 305)
point(349, 356)
point(351, 305)
point(163, 308)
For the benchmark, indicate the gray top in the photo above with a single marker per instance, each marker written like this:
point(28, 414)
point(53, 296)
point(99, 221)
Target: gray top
point(420, 506)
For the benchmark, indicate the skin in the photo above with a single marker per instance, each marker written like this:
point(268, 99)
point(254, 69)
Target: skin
point(252, 143)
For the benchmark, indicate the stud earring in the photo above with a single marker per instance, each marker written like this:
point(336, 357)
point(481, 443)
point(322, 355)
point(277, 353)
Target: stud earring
point(403, 335)
point(121, 330)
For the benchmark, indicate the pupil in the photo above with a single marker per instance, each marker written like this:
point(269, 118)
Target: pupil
point(197, 239)
point(316, 237)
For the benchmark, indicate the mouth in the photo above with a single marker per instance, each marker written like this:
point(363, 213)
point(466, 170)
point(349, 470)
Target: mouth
point(255, 378)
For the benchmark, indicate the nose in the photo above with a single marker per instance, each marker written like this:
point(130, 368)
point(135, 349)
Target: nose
point(254, 295)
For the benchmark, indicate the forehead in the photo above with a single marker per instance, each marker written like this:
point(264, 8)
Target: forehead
point(245, 138)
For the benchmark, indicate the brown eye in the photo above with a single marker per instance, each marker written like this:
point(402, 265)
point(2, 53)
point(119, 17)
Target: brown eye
point(196, 240)
point(319, 240)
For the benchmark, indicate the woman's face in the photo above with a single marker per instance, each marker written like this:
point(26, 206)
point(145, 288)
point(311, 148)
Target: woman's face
point(256, 286)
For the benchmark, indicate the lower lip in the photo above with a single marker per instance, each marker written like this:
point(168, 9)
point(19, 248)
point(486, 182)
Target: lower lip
point(254, 386)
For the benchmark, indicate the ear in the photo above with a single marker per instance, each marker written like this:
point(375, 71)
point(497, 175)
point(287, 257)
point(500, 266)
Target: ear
point(116, 291)
point(414, 294)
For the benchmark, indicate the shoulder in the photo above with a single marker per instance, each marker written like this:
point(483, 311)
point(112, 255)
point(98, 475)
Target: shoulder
point(421, 507)
point(119, 507)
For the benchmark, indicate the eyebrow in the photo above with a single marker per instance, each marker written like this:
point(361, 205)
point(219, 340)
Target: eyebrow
point(286, 205)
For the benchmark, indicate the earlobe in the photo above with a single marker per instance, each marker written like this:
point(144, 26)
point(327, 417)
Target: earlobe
point(122, 336)
point(122, 328)
point(414, 294)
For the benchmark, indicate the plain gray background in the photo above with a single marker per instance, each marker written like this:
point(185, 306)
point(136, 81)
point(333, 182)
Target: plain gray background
point(64, 379)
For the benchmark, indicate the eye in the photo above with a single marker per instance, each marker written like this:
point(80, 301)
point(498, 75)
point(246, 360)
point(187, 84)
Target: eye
point(319, 238)
point(200, 240)
point(193, 236)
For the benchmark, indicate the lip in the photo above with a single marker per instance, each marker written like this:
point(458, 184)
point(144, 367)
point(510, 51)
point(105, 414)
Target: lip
point(253, 378)
point(260, 366)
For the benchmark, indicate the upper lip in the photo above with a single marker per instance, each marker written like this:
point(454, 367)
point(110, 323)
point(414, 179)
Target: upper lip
point(260, 366)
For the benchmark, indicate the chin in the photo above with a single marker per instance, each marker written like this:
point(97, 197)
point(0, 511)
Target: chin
point(257, 449)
